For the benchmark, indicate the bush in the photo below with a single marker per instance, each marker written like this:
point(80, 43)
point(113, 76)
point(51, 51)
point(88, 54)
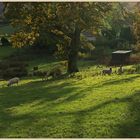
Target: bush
point(39, 73)
point(83, 55)
point(18, 64)
point(137, 67)
point(12, 69)
point(14, 72)
point(5, 42)
point(35, 68)
point(3, 65)
point(135, 58)
point(130, 70)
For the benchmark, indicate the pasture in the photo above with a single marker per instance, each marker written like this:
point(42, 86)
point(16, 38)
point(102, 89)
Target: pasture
point(69, 70)
point(85, 105)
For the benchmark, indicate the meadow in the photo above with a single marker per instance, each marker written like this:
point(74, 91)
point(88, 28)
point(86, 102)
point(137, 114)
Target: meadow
point(83, 106)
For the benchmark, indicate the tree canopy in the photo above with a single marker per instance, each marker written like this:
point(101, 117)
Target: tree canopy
point(36, 21)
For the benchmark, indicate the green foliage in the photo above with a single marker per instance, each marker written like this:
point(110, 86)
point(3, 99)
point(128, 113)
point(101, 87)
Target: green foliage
point(126, 34)
point(118, 27)
point(102, 52)
point(14, 72)
point(5, 42)
point(66, 21)
point(135, 58)
point(137, 67)
point(10, 69)
point(6, 30)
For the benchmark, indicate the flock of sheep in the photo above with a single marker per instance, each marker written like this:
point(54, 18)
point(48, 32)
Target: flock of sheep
point(119, 71)
point(56, 72)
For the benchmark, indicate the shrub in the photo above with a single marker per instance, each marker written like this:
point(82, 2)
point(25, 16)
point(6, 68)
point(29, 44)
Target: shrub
point(39, 73)
point(35, 68)
point(54, 72)
point(135, 58)
point(12, 69)
point(64, 64)
point(18, 64)
point(4, 65)
point(5, 41)
point(83, 55)
point(137, 67)
point(14, 72)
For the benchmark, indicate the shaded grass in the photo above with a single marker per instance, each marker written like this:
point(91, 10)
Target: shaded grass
point(85, 107)
point(100, 106)
point(6, 51)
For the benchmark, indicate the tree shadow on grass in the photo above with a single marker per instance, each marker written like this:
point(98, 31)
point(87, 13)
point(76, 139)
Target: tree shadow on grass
point(23, 94)
point(131, 127)
point(129, 79)
point(116, 82)
point(34, 90)
point(17, 96)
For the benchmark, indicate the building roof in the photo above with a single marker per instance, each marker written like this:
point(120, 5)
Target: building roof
point(122, 51)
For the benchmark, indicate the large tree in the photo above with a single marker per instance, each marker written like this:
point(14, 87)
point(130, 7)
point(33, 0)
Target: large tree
point(65, 20)
point(118, 29)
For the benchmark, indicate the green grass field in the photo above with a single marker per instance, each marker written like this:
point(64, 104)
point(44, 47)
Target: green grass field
point(6, 51)
point(85, 107)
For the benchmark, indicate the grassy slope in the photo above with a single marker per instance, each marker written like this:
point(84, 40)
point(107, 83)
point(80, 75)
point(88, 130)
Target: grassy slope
point(94, 106)
point(6, 51)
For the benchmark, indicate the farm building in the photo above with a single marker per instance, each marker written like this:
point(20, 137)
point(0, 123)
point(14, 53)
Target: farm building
point(120, 57)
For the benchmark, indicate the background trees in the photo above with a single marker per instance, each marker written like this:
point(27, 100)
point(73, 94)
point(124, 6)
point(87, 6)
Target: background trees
point(59, 27)
point(42, 23)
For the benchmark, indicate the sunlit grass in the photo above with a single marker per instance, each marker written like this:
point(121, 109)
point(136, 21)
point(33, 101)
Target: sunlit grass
point(94, 106)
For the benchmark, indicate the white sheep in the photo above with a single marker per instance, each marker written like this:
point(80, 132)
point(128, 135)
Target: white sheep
point(13, 81)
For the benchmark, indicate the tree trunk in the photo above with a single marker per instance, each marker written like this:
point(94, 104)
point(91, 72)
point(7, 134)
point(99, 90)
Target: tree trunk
point(73, 53)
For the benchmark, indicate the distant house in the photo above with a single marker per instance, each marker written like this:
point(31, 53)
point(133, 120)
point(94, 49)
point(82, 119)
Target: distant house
point(120, 57)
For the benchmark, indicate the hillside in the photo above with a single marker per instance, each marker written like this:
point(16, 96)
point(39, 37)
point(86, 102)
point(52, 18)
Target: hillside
point(70, 70)
point(81, 106)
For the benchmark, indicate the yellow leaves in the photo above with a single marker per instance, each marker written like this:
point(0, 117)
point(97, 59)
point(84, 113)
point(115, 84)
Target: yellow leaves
point(22, 39)
point(57, 32)
point(28, 20)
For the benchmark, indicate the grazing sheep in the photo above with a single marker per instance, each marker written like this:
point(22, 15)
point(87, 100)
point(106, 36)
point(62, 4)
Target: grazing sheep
point(13, 81)
point(109, 72)
point(55, 72)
